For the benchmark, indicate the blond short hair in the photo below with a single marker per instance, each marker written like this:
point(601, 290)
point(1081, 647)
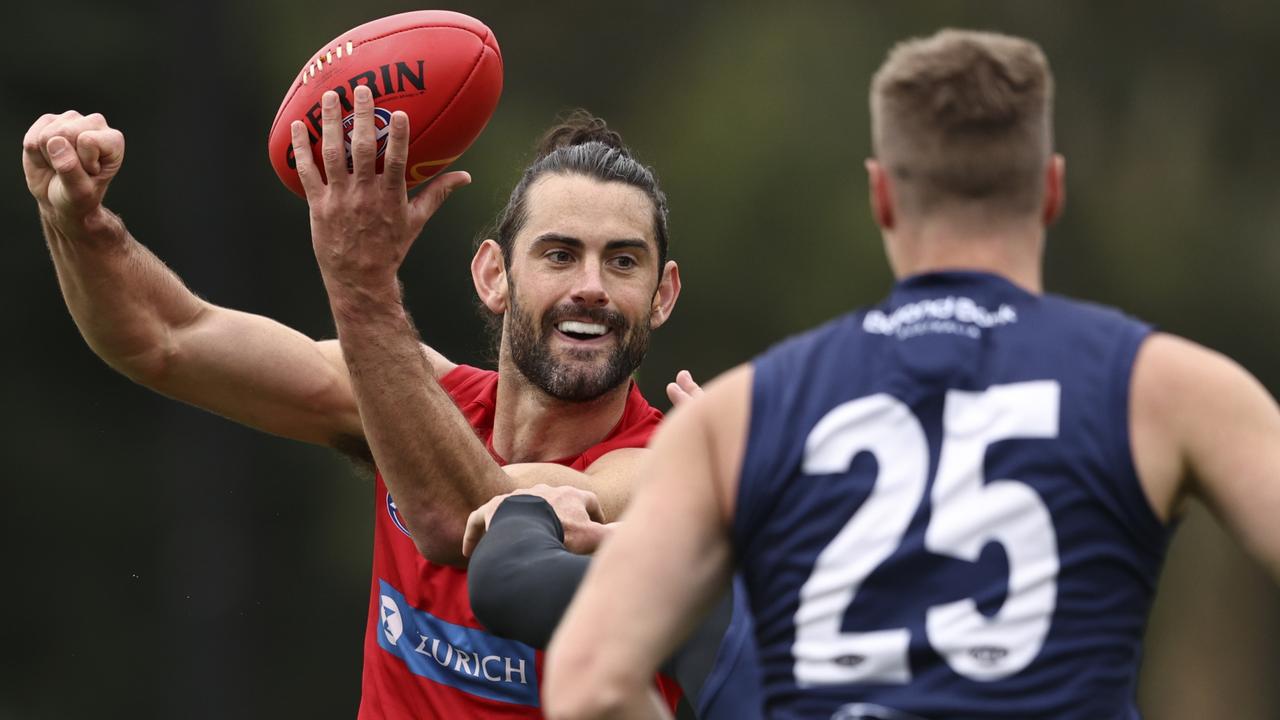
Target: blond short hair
point(964, 117)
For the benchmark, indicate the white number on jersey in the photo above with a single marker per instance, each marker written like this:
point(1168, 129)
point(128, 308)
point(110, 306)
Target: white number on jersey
point(967, 513)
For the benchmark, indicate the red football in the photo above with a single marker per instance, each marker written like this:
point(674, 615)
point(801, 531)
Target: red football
point(442, 68)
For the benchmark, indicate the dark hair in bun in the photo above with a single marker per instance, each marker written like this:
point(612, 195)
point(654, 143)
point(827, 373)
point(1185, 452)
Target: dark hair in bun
point(579, 127)
point(582, 144)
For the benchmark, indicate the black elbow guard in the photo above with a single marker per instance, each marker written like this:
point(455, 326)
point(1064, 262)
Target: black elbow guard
point(521, 577)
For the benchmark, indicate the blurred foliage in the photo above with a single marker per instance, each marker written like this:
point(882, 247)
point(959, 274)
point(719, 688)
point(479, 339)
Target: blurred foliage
point(162, 562)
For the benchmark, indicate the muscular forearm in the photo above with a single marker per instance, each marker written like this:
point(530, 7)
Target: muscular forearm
point(611, 484)
point(124, 300)
point(434, 465)
point(139, 317)
point(362, 225)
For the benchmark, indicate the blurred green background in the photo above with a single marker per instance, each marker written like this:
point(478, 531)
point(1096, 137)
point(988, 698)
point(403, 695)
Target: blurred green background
point(162, 562)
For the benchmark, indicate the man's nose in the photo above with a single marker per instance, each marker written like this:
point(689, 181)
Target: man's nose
point(589, 287)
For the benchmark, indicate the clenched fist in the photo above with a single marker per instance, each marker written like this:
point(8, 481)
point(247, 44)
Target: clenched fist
point(69, 160)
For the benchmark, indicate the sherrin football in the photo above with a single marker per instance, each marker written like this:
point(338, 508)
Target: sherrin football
point(442, 68)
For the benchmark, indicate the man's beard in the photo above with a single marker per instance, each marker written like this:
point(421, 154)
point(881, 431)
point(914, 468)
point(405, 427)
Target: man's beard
point(564, 380)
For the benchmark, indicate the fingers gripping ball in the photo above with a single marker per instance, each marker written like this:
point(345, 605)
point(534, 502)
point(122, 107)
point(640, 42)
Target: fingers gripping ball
point(444, 69)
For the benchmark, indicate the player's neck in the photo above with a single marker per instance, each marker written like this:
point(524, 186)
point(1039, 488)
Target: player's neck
point(531, 426)
point(1013, 250)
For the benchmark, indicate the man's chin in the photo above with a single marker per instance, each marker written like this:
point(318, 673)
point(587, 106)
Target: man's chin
point(583, 374)
point(582, 381)
point(584, 358)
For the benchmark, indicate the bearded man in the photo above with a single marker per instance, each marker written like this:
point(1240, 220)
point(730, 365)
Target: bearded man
point(577, 275)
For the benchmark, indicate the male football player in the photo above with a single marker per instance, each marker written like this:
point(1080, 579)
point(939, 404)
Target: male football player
point(577, 272)
point(953, 504)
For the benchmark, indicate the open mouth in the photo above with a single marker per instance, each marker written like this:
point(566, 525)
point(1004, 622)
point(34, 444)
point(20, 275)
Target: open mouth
point(582, 331)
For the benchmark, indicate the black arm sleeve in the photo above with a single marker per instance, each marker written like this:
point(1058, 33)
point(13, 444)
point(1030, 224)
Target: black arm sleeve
point(521, 579)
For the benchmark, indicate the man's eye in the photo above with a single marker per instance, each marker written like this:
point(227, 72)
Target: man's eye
point(559, 256)
point(625, 262)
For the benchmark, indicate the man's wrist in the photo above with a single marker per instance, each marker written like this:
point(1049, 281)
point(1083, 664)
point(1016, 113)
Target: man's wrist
point(99, 226)
point(362, 305)
point(372, 329)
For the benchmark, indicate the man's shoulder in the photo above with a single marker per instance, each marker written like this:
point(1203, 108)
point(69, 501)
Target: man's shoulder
point(475, 392)
point(1089, 310)
point(465, 383)
point(639, 421)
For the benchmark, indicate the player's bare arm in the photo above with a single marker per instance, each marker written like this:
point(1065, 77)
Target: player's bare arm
point(610, 477)
point(1204, 427)
point(363, 224)
point(143, 321)
point(675, 536)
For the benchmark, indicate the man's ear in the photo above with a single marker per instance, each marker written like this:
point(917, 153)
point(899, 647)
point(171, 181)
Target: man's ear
point(489, 273)
point(881, 194)
point(664, 300)
point(1055, 189)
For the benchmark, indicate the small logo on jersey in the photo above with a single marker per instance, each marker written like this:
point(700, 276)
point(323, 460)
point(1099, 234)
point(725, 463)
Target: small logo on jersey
point(988, 654)
point(849, 660)
point(949, 316)
point(867, 711)
point(392, 624)
point(382, 129)
point(395, 516)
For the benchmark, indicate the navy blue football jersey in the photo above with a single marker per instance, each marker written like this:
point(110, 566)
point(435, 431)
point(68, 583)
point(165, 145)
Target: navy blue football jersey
point(938, 514)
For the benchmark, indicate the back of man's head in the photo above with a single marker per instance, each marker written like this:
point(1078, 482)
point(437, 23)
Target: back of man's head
point(964, 117)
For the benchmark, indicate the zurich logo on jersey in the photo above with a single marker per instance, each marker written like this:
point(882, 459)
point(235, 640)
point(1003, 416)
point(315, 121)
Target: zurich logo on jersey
point(464, 658)
point(382, 129)
point(395, 516)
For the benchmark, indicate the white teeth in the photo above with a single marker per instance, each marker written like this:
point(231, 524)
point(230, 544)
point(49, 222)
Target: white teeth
point(571, 326)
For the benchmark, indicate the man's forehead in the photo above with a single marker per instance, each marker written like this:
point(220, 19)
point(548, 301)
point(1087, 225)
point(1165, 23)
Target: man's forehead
point(587, 209)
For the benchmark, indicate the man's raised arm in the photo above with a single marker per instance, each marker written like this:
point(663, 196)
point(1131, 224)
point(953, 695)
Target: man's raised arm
point(362, 225)
point(137, 315)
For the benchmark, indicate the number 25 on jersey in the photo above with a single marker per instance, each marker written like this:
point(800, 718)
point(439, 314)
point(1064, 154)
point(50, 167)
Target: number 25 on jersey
point(968, 511)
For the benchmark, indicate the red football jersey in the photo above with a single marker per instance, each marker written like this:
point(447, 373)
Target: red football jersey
point(425, 654)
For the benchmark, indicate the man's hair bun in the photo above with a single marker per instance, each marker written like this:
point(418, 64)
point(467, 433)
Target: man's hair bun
point(579, 127)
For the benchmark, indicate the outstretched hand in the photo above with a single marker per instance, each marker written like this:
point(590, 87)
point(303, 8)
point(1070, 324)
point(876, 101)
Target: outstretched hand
point(363, 222)
point(579, 511)
point(69, 161)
